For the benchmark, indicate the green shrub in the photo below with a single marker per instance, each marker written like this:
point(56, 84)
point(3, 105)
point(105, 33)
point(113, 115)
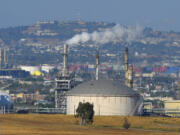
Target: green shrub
point(86, 112)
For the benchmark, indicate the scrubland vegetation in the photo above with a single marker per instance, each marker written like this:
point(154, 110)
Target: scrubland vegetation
point(42, 124)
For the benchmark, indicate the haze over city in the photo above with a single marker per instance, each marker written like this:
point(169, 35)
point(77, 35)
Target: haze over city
point(158, 14)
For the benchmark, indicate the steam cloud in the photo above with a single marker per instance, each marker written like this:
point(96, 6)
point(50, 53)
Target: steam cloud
point(116, 33)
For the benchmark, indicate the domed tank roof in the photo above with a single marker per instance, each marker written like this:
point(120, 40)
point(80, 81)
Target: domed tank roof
point(102, 88)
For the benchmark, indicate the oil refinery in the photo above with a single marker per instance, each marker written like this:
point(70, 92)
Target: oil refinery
point(108, 97)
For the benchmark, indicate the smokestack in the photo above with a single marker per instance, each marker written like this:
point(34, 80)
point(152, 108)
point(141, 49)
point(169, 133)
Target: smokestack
point(128, 71)
point(130, 76)
point(5, 57)
point(65, 55)
point(126, 59)
point(97, 66)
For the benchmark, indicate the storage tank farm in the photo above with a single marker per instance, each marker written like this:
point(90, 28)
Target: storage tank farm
point(109, 97)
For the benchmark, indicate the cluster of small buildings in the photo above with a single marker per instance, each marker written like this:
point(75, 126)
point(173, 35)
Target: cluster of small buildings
point(28, 98)
point(37, 70)
point(161, 70)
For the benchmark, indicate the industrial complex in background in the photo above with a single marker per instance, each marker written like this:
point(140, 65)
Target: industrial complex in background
point(44, 75)
point(109, 96)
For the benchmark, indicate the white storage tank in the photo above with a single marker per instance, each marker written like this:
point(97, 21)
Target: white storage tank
point(108, 97)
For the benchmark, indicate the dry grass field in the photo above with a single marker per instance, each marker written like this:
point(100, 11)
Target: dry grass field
point(42, 124)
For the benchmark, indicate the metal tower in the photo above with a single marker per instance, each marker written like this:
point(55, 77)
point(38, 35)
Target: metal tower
point(64, 82)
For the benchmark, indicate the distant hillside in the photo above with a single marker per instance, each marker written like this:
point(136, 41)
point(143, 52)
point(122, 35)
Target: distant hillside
point(42, 43)
point(65, 30)
point(54, 29)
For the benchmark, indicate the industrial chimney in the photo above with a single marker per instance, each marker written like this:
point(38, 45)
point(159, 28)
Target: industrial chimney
point(128, 71)
point(5, 57)
point(126, 59)
point(130, 76)
point(97, 66)
point(65, 55)
point(126, 65)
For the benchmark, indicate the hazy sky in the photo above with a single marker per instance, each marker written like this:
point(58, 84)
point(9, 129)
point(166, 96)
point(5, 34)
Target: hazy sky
point(159, 14)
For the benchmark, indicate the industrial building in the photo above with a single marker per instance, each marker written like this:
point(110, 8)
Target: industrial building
point(30, 69)
point(13, 73)
point(108, 97)
point(5, 71)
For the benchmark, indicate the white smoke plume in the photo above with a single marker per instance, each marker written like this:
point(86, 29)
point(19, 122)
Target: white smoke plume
point(116, 33)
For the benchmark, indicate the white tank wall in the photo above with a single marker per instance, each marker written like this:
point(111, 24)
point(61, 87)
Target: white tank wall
point(106, 105)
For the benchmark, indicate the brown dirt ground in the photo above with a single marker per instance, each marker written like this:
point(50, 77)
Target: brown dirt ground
point(47, 124)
